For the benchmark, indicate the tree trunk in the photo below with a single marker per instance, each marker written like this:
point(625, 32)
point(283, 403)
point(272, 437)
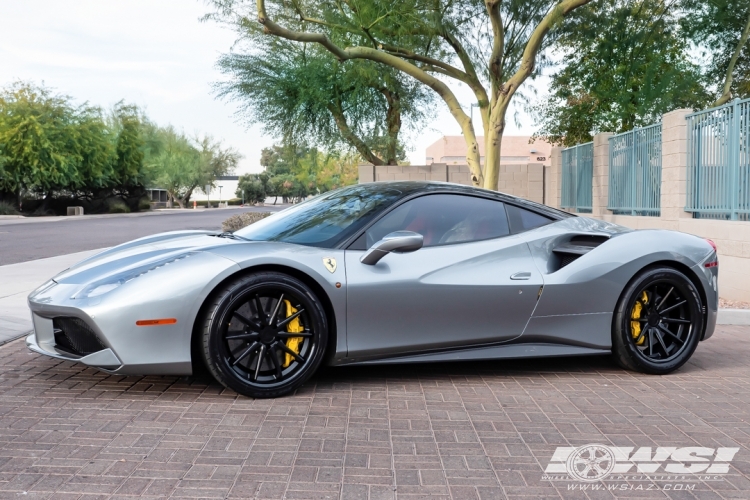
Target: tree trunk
point(393, 121)
point(493, 141)
point(492, 148)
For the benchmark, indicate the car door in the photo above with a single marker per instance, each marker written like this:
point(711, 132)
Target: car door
point(471, 283)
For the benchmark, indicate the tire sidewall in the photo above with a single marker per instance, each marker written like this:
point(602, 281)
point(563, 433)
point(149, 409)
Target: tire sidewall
point(213, 335)
point(623, 341)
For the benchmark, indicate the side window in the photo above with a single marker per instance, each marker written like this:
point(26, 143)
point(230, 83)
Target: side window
point(444, 219)
point(523, 220)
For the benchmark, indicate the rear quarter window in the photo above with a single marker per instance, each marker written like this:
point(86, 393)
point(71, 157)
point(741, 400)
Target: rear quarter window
point(522, 219)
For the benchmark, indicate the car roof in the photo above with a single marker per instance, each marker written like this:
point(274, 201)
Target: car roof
point(409, 188)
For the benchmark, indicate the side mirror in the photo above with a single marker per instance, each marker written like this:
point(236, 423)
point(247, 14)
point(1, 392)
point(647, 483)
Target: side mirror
point(397, 241)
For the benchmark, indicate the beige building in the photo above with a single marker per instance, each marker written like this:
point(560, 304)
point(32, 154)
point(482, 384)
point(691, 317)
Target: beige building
point(515, 149)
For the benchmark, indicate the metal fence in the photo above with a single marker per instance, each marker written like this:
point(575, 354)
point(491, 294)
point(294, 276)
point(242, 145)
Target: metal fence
point(635, 172)
point(577, 177)
point(718, 176)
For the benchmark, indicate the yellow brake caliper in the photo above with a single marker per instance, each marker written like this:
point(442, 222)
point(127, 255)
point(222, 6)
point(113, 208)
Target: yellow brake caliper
point(635, 326)
point(294, 326)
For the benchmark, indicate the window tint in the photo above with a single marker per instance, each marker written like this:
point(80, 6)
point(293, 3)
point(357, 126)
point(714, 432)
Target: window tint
point(522, 220)
point(444, 219)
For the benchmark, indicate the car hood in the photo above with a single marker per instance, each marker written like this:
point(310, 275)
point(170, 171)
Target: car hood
point(140, 252)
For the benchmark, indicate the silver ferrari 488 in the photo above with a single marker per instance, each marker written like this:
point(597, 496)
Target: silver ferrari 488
point(395, 272)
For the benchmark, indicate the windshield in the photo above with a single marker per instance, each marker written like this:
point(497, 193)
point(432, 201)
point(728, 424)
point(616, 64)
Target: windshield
point(326, 220)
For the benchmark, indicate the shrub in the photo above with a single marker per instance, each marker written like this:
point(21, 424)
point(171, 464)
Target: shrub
point(239, 221)
point(6, 209)
point(118, 207)
point(144, 204)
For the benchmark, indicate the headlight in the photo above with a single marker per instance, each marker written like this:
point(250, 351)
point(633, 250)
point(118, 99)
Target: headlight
point(110, 283)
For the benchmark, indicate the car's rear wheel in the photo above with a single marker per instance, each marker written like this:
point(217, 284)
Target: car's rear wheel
point(658, 322)
point(264, 334)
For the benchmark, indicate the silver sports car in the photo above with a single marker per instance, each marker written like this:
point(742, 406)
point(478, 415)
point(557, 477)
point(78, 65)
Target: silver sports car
point(399, 272)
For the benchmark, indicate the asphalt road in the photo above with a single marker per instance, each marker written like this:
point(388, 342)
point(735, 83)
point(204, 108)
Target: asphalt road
point(22, 241)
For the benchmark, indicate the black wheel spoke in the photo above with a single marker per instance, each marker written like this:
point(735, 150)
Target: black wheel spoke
point(676, 320)
point(260, 356)
point(272, 317)
point(650, 343)
point(275, 360)
point(288, 319)
point(673, 306)
point(661, 343)
point(293, 354)
point(244, 354)
point(246, 321)
point(672, 335)
point(289, 335)
point(259, 309)
point(243, 336)
point(664, 299)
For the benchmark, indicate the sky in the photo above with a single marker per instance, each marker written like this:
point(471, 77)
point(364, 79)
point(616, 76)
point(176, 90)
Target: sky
point(157, 54)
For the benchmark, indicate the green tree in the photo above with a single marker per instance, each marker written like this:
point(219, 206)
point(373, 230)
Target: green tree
point(300, 91)
point(624, 64)
point(95, 147)
point(491, 46)
point(721, 30)
point(181, 165)
point(253, 188)
point(38, 140)
point(129, 146)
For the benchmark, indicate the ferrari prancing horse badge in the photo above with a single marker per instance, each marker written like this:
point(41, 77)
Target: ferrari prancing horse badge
point(330, 263)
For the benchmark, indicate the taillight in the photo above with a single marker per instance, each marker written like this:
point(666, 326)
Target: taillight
point(714, 262)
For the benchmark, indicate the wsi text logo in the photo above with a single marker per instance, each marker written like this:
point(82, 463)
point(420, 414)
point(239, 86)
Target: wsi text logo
point(597, 462)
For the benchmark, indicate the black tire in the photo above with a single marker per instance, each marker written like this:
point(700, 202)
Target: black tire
point(249, 351)
point(659, 335)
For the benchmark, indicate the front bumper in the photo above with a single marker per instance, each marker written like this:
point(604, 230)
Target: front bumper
point(120, 345)
point(104, 359)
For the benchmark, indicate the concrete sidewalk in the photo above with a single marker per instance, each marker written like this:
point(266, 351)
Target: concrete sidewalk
point(18, 280)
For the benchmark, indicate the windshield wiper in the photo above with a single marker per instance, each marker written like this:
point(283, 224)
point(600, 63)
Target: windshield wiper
point(231, 236)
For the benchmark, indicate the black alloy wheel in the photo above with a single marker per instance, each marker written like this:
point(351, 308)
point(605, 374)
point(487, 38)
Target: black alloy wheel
point(264, 335)
point(658, 322)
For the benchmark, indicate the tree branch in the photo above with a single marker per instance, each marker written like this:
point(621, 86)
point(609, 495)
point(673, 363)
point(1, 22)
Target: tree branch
point(358, 52)
point(498, 43)
point(535, 42)
point(338, 116)
point(726, 94)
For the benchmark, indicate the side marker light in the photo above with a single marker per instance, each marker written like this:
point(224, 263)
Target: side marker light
point(156, 322)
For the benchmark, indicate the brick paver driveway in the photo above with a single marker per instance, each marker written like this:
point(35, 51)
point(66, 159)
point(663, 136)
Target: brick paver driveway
point(468, 430)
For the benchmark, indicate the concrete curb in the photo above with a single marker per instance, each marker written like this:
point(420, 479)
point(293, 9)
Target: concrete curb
point(13, 339)
point(733, 317)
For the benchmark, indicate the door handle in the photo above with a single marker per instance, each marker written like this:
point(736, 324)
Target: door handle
point(523, 275)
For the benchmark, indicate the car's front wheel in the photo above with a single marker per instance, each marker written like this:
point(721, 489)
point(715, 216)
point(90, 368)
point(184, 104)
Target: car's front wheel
point(264, 334)
point(658, 322)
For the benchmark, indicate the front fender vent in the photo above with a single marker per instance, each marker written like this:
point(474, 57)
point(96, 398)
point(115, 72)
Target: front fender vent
point(75, 336)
